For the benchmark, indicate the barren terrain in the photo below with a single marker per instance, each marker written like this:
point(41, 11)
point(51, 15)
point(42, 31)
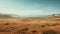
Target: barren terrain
point(47, 25)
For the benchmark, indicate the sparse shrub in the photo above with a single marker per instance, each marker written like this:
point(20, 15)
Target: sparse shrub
point(4, 30)
point(19, 32)
point(49, 32)
point(6, 24)
point(42, 25)
point(34, 31)
point(24, 29)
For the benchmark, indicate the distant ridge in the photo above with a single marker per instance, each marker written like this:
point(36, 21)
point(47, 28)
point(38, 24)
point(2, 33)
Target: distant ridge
point(8, 15)
point(17, 16)
point(54, 15)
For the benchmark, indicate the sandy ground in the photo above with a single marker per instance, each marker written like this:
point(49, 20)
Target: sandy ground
point(30, 26)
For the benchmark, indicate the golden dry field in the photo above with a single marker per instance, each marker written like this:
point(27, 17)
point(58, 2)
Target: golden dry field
point(46, 25)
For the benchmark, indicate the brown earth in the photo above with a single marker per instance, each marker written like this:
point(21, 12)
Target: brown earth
point(46, 25)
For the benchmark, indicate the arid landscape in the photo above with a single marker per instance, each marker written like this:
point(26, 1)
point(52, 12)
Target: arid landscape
point(29, 16)
point(34, 25)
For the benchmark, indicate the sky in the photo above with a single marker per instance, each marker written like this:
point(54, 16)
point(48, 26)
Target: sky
point(27, 8)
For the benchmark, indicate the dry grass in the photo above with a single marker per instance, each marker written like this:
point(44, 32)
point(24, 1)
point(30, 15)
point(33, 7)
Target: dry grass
point(30, 25)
